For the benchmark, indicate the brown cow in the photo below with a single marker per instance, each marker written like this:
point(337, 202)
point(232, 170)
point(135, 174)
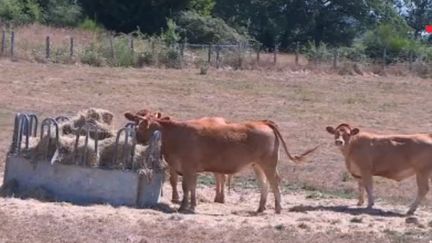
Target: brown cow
point(220, 178)
point(192, 147)
point(391, 156)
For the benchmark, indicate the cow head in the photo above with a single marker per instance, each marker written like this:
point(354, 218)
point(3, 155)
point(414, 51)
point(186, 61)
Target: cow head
point(342, 133)
point(146, 125)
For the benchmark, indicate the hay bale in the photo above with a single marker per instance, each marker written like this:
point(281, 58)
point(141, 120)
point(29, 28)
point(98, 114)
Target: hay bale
point(100, 118)
point(65, 152)
point(124, 150)
point(39, 149)
point(147, 158)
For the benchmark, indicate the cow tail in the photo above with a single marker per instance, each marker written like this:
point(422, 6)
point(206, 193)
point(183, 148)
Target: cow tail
point(296, 159)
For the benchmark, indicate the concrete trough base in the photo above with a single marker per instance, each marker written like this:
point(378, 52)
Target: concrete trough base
point(81, 185)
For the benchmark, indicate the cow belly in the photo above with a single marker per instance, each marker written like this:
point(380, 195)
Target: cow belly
point(398, 175)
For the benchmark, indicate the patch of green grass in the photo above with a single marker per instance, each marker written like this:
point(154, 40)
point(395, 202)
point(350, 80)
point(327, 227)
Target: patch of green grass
point(207, 180)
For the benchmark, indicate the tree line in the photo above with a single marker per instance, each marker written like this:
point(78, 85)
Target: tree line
point(375, 23)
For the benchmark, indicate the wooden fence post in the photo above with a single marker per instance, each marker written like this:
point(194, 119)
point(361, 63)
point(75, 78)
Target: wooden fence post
point(297, 50)
point(111, 41)
point(335, 57)
point(258, 50)
point(47, 50)
point(410, 59)
point(384, 58)
point(218, 56)
point(12, 43)
point(3, 42)
point(131, 43)
point(71, 50)
point(209, 53)
point(240, 58)
point(275, 53)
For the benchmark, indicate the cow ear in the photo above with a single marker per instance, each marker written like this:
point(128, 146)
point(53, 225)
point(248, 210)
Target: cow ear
point(355, 131)
point(131, 117)
point(330, 130)
point(166, 118)
point(158, 115)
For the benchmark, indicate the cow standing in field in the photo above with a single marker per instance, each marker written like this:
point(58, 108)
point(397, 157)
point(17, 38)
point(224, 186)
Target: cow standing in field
point(220, 178)
point(192, 147)
point(391, 156)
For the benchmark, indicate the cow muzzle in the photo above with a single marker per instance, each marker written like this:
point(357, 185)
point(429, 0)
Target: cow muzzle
point(339, 143)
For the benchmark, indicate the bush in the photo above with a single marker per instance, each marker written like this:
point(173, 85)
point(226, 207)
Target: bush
point(386, 36)
point(206, 29)
point(171, 58)
point(20, 11)
point(90, 25)
point(317, 53)
point(61, 12)
point(92, 56)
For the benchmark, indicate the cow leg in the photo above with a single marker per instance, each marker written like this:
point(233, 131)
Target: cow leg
point(274, 179)
point(422, 189)
point(263, 188)
point(220, 182)
point(361, 190)
point(367, 183)
point(173, 182)
point(193, 191)
point(187, 185)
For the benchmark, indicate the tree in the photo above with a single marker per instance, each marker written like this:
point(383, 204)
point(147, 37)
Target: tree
point(287, 21)
point(125, 16)
point(418, 13)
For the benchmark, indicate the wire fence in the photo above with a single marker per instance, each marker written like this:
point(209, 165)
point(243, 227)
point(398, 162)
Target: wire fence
point(108, 49)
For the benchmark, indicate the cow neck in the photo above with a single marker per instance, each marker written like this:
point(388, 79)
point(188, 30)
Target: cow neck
point(346, 150)
point(167, 126)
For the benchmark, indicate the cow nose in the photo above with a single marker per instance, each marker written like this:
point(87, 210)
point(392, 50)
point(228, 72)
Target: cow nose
point(338, 142)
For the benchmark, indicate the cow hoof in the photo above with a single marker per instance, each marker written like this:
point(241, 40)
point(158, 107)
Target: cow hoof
point(261, 209)
point(175, 200)
point(360, 203)
point(410, 212)
point(186, 210)
point(219, 200)
point(278, 210)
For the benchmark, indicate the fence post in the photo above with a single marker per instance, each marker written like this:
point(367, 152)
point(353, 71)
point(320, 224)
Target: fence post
point(71, 50)
point(3, 42)
point(209, 53)
point(12, 43)
point(111, 41)
point(217, 56)
point(410, 57)
point(258, 50)
point(131, 43)
point(47, 50)
point(384, 57)
point(335, 57)
point(275, 53)
point(240, 58)
point(297, 50)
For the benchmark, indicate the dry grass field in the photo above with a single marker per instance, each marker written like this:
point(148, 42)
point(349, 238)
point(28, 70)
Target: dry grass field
point(318, 196)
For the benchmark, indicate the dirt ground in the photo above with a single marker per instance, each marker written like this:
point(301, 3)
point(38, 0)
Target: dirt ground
point(319, 196)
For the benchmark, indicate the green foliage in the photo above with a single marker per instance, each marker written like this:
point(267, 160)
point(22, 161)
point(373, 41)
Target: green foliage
point(202, 29)
point(20, 11)
point(90, 25)
point(202, 7)
point(170, 36)
point(317, 53)
point(390, 37)
point(93, 56)
point(61, 12)
point(124, 55)
point(125, 16)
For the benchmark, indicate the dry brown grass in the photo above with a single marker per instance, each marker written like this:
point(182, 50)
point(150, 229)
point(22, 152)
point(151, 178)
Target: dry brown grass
point(300, 102)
